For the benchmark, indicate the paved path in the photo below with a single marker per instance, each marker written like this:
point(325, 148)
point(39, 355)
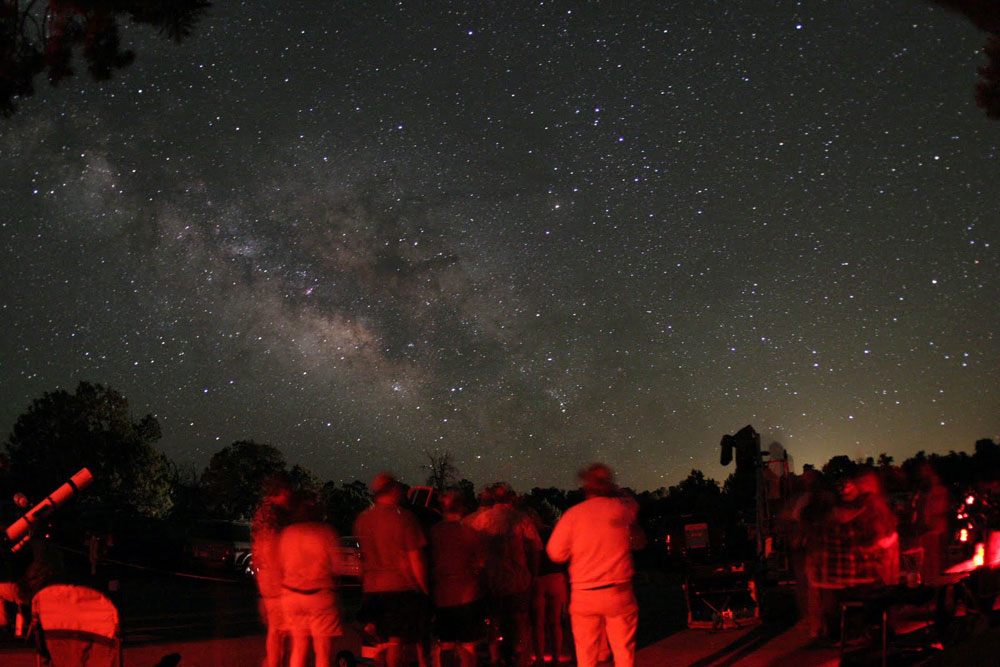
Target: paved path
point(230, 652)
point(701, 648)
point(757, 646)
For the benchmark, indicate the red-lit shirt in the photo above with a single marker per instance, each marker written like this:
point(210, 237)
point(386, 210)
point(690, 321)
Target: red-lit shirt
point(458, 556)
point(844, 553)
point(387, 534)
point(309, 556)
point(510, 537)
point(595, 537)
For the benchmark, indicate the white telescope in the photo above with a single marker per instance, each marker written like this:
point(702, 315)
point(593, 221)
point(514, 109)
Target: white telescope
point(17, 531)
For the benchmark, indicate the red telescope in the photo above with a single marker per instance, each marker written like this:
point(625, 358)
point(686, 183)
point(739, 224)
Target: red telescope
point(19, 529)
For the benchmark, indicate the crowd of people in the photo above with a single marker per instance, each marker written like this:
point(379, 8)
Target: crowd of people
point(847, 536)
point(497, 578)
point(472, 577)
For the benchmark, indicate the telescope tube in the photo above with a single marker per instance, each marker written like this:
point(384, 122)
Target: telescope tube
point(17, 530)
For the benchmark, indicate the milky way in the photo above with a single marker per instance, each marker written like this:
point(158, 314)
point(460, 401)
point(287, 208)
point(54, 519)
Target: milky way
point(529, 235)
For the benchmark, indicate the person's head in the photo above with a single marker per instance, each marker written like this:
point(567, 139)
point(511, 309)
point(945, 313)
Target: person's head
point(926, 476)
point(305, 507)
point(809, 477)
point(452, 505)
point(21, 501)
point(847, 490)
point(502, 494)
point(485, 498)
point(867, 482)
point(386, 489)
point(277, 488)
point(597, 479)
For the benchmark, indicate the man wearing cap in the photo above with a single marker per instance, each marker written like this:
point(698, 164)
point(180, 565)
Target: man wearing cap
point(597, 537)
point(394, 573)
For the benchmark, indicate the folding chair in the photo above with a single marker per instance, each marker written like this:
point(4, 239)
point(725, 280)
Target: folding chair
point(76, 625)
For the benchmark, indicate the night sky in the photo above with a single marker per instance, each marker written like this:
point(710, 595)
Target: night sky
point(529, 234)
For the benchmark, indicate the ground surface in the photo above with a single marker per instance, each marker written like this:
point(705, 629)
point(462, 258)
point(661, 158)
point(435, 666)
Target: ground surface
point(209, 618)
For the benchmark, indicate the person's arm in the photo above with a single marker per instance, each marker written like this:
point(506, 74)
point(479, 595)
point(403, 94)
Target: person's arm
point(415, 542)
point(558, 547)
point(418, 565)
point(636, 535)
point(533, 551)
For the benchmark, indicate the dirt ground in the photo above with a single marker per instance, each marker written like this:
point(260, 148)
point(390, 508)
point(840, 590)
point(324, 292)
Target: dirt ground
point(212, 622)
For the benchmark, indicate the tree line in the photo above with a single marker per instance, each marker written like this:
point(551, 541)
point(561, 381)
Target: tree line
point(94, 427)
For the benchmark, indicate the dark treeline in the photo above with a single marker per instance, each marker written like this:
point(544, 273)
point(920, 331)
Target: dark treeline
point(94, 427)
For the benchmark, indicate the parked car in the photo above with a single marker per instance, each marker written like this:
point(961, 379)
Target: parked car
point(350, 554)
point(219, 545)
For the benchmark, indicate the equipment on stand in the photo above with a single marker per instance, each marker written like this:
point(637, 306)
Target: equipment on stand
point(19, 532)
point(721, 597)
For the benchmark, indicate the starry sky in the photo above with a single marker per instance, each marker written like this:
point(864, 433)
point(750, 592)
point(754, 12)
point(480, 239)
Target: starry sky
point(528, 234)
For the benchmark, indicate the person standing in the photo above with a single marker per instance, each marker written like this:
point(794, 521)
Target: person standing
point(13, 592)
point(803, 521)
point(458, 557)
point(597, 537)
point(513, 548)
point(309, 560)
point(930, 520)
point(270, 517)
point(549, 595)
point(394, 573)
point(847, 549)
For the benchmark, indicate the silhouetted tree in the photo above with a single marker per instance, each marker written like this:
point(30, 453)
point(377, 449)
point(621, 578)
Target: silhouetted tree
point(987, 459)
point(695, 499)
point(230, 486)
point(37, 37)
point(702, 496)
point(985, 15)
point(551, 495)
point(839, 466)
point(442, 473)
point(93, 428)
point(955, 469)
point(695, 492)
point(468, 491)
point(911, 464)
point(548, 504)
point(343, 504)
point(187, 500)
point(303, 479)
